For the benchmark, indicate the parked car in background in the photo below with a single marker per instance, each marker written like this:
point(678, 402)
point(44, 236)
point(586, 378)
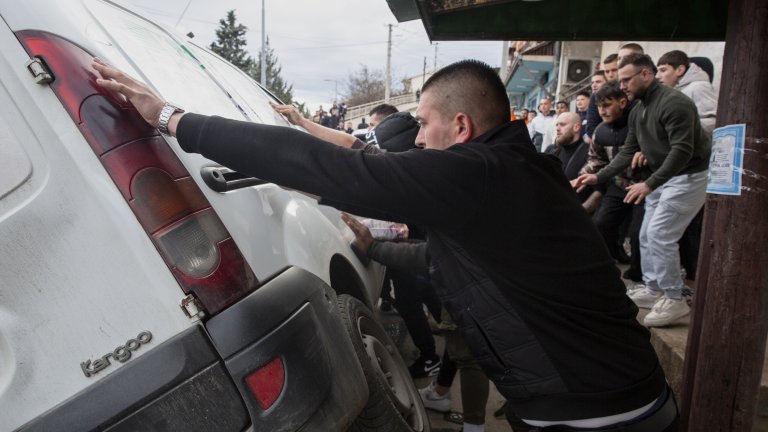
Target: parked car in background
point(146, 289)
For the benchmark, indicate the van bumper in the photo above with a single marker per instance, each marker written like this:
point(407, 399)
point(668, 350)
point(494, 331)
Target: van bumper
point(195, 381)
point(325, 388)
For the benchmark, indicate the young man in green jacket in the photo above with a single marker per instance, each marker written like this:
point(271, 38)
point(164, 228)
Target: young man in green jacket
point(665, 127)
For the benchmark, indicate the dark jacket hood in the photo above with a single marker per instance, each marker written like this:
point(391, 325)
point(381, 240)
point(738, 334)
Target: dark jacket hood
point(396, 133)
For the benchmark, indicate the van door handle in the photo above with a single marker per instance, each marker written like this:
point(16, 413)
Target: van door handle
point(222, 179)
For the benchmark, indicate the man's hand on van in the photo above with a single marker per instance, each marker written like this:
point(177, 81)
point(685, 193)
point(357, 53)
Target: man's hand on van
point(290, 112)
point(146, 102)
point(363, 237)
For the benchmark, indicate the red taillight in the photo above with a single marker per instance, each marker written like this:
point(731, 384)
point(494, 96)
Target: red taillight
point(165, 199)
point(266, 383)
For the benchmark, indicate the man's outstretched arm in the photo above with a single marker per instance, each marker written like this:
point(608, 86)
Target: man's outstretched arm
point(333, 136)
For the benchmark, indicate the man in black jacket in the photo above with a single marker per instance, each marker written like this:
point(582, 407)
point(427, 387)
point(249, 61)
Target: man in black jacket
point(570, 149)
point(593, 116)
point(614, 108)
point(517, 262)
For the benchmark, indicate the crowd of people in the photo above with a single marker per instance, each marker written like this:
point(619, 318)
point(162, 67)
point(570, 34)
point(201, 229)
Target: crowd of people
point(642, 176)
point(512, 249)
point(588, 140)
point(335, 118)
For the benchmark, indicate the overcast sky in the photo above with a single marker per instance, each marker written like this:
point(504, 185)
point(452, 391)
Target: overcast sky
point(320, 43)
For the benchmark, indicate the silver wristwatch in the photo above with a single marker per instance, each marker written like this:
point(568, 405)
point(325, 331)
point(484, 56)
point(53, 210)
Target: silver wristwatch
point(165, 115)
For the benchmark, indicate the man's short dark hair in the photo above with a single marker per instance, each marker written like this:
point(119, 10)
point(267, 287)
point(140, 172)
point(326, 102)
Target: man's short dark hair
point(471, 86)
point(634, 47)
point(383, 110)
point(639, 61)
point(675, 58)
point(600, 73)
point(561, 102)
point(610, 58)
point(583, 93)
point(610, 91)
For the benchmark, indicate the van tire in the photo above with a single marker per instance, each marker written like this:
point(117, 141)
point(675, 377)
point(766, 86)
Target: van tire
point(394, 404)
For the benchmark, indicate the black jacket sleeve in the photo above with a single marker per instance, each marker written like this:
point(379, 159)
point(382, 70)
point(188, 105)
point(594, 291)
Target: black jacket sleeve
point(428, 187)
point(411, 257)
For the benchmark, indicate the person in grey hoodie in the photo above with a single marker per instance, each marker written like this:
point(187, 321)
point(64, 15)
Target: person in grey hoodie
point(677, 71)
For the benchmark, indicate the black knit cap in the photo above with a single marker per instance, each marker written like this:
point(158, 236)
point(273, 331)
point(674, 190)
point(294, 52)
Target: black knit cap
point(396, 133)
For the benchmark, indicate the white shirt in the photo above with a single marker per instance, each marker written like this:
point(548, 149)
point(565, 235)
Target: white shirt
point(544, 125)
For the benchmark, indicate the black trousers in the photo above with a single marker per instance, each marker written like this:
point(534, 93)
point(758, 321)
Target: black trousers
point(613, 212)
point(410, 293)
point(689, 245)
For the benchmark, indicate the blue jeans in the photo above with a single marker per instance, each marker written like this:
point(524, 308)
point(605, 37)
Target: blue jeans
point(668, 211)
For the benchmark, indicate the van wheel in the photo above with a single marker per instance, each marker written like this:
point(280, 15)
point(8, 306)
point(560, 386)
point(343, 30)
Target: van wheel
point(393, 404)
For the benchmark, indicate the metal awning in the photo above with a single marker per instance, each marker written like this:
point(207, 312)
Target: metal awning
point(527, 75)
point(679, 20)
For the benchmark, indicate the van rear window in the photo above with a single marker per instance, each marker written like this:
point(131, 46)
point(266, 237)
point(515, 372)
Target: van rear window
point(241, 87)
point(163, 62)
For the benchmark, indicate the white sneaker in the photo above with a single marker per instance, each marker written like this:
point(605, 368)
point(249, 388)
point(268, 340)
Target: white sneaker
point(665, 312)
point(635, 286)
point(434, 401)
point(643, 297)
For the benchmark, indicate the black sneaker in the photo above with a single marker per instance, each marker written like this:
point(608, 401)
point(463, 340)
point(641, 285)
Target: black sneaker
point(425, 367)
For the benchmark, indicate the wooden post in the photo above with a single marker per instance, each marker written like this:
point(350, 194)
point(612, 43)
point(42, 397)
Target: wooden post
point(727, 335)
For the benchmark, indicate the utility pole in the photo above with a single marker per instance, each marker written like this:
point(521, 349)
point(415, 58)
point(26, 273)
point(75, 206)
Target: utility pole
point(388, 82)
point(727, 336)
point(505, 57)
point(424, 72)
point(434, 66)
point(263, 47)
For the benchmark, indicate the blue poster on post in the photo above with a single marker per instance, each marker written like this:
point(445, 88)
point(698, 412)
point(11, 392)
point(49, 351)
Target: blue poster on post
point(726, 162)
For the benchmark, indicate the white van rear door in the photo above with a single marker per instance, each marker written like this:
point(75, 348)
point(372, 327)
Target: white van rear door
point(78, 275)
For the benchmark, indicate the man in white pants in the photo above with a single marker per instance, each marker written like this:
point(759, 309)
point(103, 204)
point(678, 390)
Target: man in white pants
point(665, 127)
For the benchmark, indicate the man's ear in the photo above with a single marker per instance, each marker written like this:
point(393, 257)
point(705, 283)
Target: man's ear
point(623, 102)
point(680, 71)
point(464, 127)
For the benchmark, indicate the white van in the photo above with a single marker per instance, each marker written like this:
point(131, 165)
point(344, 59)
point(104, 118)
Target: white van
point(146, 289)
